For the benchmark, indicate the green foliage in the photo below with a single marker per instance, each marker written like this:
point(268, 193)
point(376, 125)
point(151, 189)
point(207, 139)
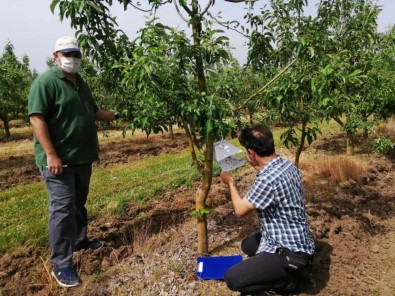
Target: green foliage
point(343, 70)
point(199, 214)
point(96, 28)
point(283, 34)
point(383, 144)
point(161, 71)
point(352, 87)
point(156, 73)
point(15, 80)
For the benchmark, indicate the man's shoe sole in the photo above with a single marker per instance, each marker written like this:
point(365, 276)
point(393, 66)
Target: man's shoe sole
point(63, 284)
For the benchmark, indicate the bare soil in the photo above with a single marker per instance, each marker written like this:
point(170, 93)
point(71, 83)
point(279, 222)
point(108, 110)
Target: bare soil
point(151, 250)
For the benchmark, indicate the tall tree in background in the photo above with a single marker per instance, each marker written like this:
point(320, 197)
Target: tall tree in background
point(15, 80)
point(334, 54)
point(347, 94)
point(288, 38)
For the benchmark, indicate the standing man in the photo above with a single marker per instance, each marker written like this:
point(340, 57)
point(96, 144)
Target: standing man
point(280, 253)
point(62, 114)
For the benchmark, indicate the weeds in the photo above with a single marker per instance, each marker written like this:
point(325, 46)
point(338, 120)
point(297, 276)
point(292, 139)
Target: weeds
point(339, 169)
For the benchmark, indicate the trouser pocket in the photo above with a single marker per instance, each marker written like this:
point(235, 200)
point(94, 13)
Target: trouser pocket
point(294, 261)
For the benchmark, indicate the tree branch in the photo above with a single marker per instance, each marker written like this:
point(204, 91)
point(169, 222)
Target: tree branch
point(179, 12)
point(266, 85)
point(186, 8)
point(192, 147)
point(337, 120)
point(226, 25)
point(141, 9)
point(209, 3)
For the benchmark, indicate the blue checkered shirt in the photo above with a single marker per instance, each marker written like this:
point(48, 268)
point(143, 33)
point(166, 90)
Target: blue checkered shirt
point(277, 195)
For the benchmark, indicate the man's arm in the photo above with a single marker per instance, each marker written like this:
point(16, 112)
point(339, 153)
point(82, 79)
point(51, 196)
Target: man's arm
point(102, 115)
point(41, 132)
point(241, 205)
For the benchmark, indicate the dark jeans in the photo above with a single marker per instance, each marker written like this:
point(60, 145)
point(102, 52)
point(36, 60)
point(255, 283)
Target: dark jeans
point(68, 217)
point(282, 271)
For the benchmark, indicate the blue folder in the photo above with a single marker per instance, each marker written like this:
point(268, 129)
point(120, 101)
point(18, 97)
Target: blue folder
point(214, 268)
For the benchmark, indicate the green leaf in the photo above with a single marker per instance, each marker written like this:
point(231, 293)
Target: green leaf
point(53, 5)
point(200, 213)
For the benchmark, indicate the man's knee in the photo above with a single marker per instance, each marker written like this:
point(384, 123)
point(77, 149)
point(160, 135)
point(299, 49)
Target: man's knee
point(232, 280)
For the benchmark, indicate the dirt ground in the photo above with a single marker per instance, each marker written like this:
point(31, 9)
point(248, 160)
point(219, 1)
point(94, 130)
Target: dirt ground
point(352, 223)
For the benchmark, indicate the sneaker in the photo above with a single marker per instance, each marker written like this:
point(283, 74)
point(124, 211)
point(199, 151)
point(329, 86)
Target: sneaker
point(66, 277)
point(89, 244)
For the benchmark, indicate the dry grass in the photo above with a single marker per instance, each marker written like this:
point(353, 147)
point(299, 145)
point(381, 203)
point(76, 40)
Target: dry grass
point(144, 241)
point(387, 128)
point(335, 169)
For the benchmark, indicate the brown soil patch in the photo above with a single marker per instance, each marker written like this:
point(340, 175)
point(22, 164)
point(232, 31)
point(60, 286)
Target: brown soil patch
point(353, 225)
point(21, 169)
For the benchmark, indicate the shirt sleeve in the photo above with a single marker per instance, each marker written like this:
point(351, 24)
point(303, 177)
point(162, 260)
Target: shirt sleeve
point(39, 100)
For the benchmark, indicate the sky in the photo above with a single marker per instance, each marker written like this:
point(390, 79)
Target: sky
point(32, 29)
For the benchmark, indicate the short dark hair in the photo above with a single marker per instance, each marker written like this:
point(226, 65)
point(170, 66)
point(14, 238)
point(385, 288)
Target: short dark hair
point(258, 138)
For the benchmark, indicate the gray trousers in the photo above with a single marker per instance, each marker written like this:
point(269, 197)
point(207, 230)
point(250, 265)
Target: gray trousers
point(68, 217)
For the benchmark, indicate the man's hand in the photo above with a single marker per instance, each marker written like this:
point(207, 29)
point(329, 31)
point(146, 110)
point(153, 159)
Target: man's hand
point(41, 132)
point(226, 178)
point(241, 205)
point(54, 164)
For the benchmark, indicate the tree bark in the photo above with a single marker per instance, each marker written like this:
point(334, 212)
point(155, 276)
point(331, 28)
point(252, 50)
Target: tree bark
point(171, 131)
point(301, 145)
point(7, 133)
point(350, 143)
point(202, 194)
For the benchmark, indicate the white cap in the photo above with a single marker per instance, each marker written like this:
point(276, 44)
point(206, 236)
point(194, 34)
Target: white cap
point(66, 44)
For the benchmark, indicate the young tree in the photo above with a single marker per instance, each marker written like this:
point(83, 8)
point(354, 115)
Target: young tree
point(334, 54)
point(352, 44)
point(169, 74)
point(163, 70)
point(15, 80)
point(283, 38)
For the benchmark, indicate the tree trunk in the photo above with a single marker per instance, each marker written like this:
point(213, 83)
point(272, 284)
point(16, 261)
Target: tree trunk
point(365, 134)
point(202, 194)
point(171, 131)
point(251, 113)
point(207, 170)
point(350, 143)
point(301, 145)
point(7, 133)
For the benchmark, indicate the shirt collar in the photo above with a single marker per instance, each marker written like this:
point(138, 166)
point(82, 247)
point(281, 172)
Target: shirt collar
point(60, 74)
point(271, 163)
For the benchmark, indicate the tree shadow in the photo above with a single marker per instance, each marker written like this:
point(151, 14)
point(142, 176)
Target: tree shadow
point(244, 227)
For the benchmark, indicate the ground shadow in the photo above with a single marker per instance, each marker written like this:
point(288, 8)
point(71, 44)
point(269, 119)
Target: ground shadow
point(320, 268)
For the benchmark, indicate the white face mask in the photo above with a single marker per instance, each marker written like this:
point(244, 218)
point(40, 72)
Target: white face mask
point(70, 65)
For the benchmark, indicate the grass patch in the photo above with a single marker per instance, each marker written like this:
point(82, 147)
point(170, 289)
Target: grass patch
point(139, 182)
point(23, 216)
point(23, 209)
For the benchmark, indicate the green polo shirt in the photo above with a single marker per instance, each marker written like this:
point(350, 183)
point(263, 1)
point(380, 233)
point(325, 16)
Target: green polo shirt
point(70, 114)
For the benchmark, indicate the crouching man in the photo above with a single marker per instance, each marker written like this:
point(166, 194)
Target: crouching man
point(281, 252)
